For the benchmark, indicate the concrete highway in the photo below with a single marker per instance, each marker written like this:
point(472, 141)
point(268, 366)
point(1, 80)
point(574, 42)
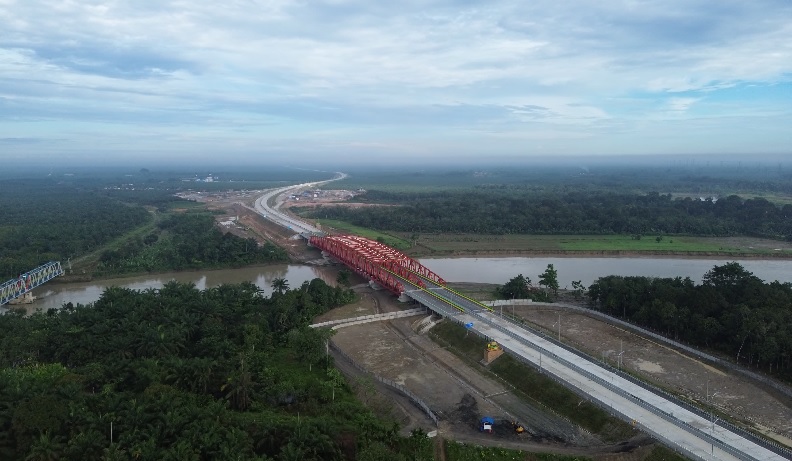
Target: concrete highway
point(275, 215)
point(697, 437)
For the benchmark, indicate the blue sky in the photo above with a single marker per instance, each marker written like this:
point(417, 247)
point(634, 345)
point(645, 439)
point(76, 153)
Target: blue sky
point(367, 80)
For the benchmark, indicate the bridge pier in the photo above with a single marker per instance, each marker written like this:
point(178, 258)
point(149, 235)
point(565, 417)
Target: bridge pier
point(374, 285)
point(403, 298)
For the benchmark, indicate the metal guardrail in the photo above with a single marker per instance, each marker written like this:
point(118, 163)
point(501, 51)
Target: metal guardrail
point(775, 448)
point(768, 444)
point(404, 391)
point(701, 434)
point(786, 390)
point(580, 392)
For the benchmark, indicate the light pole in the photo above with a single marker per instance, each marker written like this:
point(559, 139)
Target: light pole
point(559, 326)
point(712, 418)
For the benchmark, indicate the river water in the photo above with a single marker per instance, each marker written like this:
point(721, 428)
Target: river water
point(587, 270)
point(54, 295)
point(483, 270)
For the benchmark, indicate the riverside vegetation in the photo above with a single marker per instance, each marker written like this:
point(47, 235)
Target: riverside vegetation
point(557, 209)
point(182, 374)
point(108, 227)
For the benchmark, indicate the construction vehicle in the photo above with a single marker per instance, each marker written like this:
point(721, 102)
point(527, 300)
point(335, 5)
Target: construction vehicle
point(518, 428)
point(486, 424)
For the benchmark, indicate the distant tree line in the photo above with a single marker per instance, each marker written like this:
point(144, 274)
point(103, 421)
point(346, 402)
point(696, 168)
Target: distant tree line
point(180, 374)
point(573, 212)
point(45, 220)
point(731, 311)
point(187, 241)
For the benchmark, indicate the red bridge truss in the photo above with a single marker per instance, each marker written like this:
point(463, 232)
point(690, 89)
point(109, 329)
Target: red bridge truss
point(375, 260)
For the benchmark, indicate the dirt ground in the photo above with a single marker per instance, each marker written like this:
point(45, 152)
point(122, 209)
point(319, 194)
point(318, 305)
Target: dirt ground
point(460, 394)
point(729, 393)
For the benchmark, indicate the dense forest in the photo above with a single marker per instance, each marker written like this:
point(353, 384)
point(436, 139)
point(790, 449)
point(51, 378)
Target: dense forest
point(578, 212)
point(45, 220)
point(731, 311)
point(186, 241)
point(182, 374)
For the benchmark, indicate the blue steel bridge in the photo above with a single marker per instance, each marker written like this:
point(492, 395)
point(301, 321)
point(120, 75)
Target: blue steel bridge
point(26, 282)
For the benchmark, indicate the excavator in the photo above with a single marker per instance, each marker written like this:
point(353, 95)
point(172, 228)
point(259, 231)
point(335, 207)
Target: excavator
point(518, 428)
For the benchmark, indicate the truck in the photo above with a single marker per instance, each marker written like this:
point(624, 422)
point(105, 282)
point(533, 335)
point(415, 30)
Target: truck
point(486, 424)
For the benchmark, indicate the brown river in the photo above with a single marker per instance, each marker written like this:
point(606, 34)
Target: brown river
point(483, 270)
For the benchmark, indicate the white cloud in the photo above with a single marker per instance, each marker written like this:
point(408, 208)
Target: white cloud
point(364, 67)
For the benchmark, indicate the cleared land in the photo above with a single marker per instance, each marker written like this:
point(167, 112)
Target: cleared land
point(460, 389)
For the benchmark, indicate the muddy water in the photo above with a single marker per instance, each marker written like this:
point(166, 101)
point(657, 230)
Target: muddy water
point(587, 270)
point(54, 295)
point(482, 270)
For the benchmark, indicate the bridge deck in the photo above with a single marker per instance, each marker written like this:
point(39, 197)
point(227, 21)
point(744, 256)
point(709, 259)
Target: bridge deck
point(17, 287)
point(694, 434)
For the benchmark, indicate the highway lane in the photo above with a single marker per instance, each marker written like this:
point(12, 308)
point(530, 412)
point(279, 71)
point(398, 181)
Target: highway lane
point(275, 215)
point(664, 419)
point(692, 434)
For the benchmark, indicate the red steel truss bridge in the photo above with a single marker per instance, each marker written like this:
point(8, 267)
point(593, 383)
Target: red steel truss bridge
point(376, 261)
point(687, 429)
point(17, 287)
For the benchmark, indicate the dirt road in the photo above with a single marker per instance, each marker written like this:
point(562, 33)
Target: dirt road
point(459, 394)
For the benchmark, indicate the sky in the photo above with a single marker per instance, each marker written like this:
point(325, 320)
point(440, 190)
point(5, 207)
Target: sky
point(405, 81)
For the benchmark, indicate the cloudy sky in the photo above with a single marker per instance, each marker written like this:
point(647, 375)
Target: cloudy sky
point(368, 79)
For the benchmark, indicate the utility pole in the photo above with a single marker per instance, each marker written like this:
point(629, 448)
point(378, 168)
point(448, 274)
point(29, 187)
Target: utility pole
point(712, 418)
point(559, 326)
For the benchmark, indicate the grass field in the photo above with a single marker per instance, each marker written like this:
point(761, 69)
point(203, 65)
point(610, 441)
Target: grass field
point(389, 239)
point(535, 386)
point(464, 452)
point(461, 243)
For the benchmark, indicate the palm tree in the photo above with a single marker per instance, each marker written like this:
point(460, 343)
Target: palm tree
point(280, 285)
point(46, 448)
point(113, 453)
point(239, 388)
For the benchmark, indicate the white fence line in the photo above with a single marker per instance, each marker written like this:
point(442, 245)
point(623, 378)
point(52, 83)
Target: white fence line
point(371, 318)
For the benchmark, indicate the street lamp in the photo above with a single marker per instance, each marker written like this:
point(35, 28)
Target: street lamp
point(559, 326)
point(712, 418)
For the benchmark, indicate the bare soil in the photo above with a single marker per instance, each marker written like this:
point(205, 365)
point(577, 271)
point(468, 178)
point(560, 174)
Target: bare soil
point(742, 398)
point(460, 394)
point(457, 393)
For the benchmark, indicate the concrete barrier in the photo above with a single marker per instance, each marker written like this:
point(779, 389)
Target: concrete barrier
point(371, 318)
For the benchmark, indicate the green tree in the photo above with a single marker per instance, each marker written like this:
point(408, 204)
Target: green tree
point(343, 277)
point(280, 285)
point(517, 288)
point(46, 448)
point(577, 285)
point(549, 279)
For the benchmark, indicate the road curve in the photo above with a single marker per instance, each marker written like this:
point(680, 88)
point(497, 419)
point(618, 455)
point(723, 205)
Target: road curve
point(698, 437)
point(275, 215)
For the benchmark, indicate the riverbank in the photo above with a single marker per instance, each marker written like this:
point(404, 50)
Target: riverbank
point(445, 245)
point(599, 254)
